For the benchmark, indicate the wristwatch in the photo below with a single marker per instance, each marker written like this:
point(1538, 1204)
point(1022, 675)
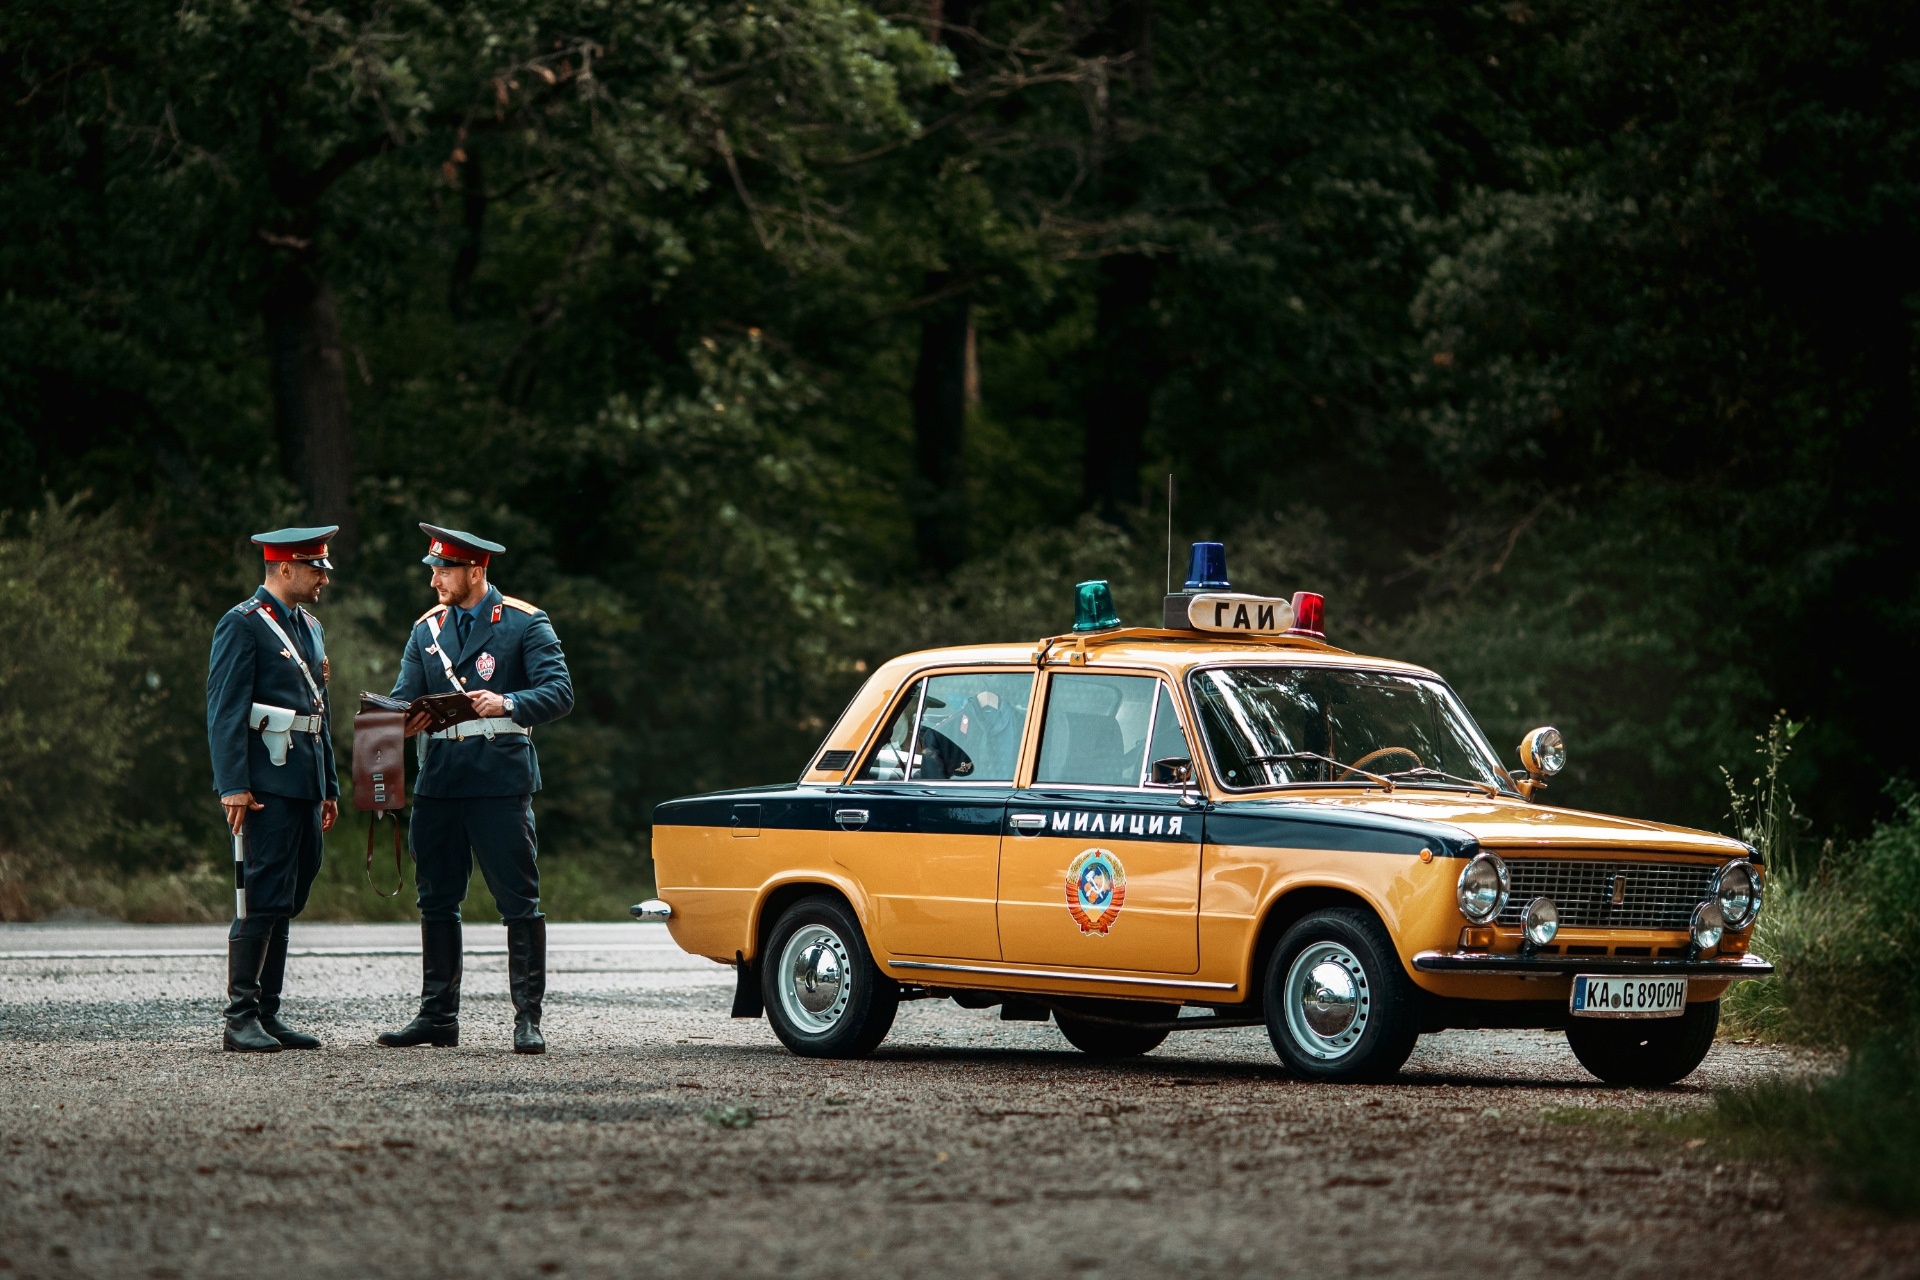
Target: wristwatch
point(507, 702)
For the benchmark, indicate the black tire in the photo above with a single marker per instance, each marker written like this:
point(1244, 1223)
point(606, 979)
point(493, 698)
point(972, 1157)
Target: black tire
point(1366, 1028)
point(1645, 1053)
point(1106, 1039)
point(817, 955)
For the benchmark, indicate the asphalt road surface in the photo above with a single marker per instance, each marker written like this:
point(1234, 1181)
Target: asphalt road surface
point(131, 1147)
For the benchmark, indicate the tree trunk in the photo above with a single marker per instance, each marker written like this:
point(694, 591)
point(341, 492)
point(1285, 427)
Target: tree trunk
point(310, 395)
point(1127, 366)
point(939, 429)
point(473, 221)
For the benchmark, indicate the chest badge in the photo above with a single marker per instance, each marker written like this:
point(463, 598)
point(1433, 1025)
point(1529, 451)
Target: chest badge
point(1096, 890)
point(485, 665)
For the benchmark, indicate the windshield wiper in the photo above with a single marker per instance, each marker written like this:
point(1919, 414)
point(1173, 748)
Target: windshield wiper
point(1315, 755)
point(1423, 773)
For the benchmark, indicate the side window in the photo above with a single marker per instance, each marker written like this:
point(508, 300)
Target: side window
point(961, 728)
point(1096, 730)
point(1169, 740)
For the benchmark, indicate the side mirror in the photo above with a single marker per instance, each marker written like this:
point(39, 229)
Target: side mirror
point(1174, 771)
point(1543, 754)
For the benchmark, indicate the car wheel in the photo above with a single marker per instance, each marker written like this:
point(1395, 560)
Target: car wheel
point(824, 995)
point(1339, 1005)
point(1645, 1052)
point(1097, 1031)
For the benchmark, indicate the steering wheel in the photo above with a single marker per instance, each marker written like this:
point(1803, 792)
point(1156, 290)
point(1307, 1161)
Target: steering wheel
point(1371, 756)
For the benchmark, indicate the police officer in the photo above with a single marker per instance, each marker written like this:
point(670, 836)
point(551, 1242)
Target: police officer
point(474, 798)
point(267, 728)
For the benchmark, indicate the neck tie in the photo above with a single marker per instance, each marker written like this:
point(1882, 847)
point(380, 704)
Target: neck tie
point(465, 627)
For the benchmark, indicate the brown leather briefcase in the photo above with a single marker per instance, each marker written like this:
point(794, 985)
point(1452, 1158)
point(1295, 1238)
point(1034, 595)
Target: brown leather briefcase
point(380, 777)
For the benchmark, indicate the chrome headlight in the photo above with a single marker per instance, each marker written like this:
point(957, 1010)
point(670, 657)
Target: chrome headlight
point(1736, 888)
point(1482, 889)
point(1542, 921)
point(1543, 752)
point(1708, 925)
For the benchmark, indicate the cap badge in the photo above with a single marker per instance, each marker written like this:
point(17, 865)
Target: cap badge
point(484, 665)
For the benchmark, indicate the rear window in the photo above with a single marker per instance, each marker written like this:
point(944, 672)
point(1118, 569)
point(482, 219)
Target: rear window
point(963, 727)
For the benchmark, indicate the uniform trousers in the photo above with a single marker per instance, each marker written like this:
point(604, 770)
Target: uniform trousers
point(283, 857)
point(449, 835)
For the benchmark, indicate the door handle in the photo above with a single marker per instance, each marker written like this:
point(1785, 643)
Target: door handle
point(850, 817)
point(1028, 822)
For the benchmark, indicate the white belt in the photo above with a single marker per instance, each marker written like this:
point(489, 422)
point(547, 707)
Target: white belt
point(487, 727)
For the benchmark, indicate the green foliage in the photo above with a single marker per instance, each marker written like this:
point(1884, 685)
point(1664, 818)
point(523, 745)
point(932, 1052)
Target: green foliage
point(1845, 936)
point(1567, 348)
point(1846, 941)
point(99, 752)
point(1859, 1125)
point(1765, 813)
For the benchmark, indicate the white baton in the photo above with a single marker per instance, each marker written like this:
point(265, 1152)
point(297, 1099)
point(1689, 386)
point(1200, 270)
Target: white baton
point(239, 876)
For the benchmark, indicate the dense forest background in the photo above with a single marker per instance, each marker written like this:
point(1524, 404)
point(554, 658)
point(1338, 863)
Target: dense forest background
point(1567, 347)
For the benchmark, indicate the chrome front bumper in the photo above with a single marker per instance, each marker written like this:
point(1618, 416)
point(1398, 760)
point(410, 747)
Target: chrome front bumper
point(1517, 966)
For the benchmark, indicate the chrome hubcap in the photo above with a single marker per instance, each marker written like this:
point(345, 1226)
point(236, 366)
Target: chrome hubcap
point(1327, 1001)
point(815, 979)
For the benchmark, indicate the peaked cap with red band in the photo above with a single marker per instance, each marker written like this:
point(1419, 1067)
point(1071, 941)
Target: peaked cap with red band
point(303, 546)
point(452, 547)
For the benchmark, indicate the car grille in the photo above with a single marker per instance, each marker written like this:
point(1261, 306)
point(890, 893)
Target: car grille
point(1657, 895)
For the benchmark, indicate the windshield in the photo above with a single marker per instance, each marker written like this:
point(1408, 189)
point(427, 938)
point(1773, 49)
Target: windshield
point(1277, 726)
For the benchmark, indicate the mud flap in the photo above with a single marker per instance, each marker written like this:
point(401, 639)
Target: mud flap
point(746, 989)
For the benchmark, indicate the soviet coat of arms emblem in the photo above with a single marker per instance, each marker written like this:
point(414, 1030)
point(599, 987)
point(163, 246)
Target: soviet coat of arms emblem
point(1096, 890)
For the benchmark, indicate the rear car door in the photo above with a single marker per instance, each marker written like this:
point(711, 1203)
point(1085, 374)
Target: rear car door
point(920, 824)
point(1100, 868)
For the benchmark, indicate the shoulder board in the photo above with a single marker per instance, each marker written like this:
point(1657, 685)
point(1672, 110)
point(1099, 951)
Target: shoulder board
point(245, 607)
point(513, 603)
point(439, 608)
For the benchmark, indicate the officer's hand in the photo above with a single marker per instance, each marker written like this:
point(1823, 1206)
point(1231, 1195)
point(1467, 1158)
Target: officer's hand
point(329, 814)
point(237, 806)
point(488, 703)
point(417, 723)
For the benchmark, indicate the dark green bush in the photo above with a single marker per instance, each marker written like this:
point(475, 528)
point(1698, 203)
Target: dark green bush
point(97, 686)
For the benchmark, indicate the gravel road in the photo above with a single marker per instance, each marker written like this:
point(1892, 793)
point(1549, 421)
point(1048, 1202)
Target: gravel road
point(131, 1147)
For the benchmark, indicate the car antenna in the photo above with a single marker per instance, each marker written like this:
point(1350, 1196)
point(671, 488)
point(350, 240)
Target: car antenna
point(1169, 533)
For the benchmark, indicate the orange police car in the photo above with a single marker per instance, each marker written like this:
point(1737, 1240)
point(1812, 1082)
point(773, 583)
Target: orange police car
point(1220, 821)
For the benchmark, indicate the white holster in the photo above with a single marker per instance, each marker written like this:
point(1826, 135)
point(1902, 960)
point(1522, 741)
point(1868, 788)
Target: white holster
point(277, 725)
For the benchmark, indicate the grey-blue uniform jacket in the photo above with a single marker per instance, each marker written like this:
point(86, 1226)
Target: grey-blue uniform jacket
point(514, 645)
point(248, 665)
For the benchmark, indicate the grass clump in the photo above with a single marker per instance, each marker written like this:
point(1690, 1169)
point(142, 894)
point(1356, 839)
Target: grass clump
point(1861, 1126)
point(1845, 938)
point(1843, 931)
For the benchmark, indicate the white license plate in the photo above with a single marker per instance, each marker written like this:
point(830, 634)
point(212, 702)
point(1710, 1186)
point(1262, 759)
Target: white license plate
point(1605, 997)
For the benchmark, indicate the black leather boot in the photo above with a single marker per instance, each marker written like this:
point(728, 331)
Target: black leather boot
point(244, 1034)
point(272, 974)
point(438, 1022)
point(527, 980)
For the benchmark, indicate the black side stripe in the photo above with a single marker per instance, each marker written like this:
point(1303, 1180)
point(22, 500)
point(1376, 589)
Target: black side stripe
point(1381, 835)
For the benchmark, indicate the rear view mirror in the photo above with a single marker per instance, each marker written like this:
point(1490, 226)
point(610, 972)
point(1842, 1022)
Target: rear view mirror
point(1174, 771)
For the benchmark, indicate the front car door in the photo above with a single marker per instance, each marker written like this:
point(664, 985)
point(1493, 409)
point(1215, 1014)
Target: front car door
point(919, 825)
point(1100, 868)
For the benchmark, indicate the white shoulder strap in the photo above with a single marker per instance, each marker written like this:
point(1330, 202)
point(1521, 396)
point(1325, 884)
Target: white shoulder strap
point(446, 663)
point(292, 650)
